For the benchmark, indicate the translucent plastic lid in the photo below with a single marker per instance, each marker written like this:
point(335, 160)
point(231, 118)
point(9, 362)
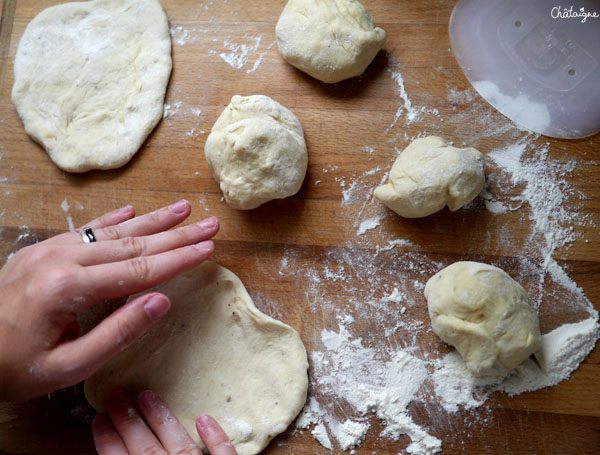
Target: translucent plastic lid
point(538, 63)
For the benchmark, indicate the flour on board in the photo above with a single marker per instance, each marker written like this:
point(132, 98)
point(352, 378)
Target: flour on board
point(368, 225)
point(182, 36)
point(412, 113)
point(523, 178)
point(237, 55)
point(66, 207)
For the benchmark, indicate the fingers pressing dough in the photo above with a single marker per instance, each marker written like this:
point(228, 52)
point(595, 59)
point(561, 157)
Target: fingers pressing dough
point(214, 353)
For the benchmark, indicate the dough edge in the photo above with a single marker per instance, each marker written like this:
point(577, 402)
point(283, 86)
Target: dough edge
point(222, 275)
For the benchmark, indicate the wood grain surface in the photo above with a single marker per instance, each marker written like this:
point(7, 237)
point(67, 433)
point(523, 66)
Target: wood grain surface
point(318, 227)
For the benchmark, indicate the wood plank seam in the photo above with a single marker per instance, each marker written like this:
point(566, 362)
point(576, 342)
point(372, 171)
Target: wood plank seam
point(6, 25)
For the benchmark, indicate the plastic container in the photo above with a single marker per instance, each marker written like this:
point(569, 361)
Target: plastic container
point(537, 68)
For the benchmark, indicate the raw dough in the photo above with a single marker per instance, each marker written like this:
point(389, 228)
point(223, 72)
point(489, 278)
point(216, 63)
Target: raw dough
point(215, 353)
point(331, 40)
point(90, 80)
point(257, 152)
point(485, 314)
point(430, 174)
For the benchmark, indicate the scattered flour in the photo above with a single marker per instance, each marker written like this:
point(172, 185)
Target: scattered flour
point(350, 371)
point(413, 113)
point(320, 434)
point(360, 188)
point(171, 109)
point(238, 54)
point(66, 207)
point(350, 433)
point(182, 36)
point(260, 58)
point(367, 225)
point(241, 428)
point(563, 349)
point(194, 133)
point(368, 149)
point(381, 370)
point(461, 97)
point(551, 201)
point(546, 191)
point(392, 244)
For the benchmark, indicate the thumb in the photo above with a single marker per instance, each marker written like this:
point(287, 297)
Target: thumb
point(78, 359)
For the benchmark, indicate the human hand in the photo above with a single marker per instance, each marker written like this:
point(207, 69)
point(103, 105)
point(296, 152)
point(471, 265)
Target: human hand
point(43, 288)
point(155, 431)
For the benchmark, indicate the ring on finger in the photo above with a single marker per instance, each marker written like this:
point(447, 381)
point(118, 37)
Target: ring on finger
point(87, 235)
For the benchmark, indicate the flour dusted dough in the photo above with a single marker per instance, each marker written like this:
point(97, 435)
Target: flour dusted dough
point(331, 40)
point(257, 152)
point(430, 174)
point(90, 80)
point(215, 353)
point(485, 314)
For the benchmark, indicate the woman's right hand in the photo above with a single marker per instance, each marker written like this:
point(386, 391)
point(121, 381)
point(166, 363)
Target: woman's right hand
point(150, 428)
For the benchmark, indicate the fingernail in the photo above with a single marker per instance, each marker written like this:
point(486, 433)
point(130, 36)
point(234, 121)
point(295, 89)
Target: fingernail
point(204, 421)
point(205, 247)
point(179, 207)
point(126, 210)
point(147, 399)
point(208, 223)
point(156, 307)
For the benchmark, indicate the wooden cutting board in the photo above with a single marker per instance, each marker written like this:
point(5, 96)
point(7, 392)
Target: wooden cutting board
point(353, 134)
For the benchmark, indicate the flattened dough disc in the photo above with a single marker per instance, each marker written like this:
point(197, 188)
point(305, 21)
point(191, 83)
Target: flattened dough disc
point(90, 80)
point(215, 353)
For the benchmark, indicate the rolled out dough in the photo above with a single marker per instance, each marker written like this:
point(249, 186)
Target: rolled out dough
point(90, 80)
point(215, 353)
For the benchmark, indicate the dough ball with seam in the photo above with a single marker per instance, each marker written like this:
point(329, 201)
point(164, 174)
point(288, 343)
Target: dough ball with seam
point(430, 174)
point(331, 40)
point(90, 80)
point(214, 353)
point(257, 152)
point(485, 314)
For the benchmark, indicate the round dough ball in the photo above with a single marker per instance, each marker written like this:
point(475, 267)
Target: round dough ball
point(430, 174)
point(485, 314)
point(214, 353)
point(90, 80)
point(331, 40)
point(257, 152)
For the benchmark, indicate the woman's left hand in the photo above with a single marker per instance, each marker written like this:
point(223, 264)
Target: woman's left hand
point(45, 286)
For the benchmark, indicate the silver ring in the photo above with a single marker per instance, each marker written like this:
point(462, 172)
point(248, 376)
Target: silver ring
point(87, 235)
